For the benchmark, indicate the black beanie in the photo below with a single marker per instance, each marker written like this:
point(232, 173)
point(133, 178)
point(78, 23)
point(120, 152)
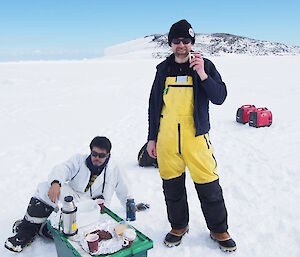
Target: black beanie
point(181, 29)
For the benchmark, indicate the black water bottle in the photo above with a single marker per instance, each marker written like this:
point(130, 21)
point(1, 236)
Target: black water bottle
point(130, 210)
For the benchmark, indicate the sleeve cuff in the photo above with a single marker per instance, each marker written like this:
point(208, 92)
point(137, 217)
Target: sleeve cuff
point(55, 181)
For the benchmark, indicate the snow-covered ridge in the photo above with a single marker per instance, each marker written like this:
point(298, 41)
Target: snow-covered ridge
point(216, 44)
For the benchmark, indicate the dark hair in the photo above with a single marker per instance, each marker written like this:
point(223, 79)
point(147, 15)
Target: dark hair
point(102, 143)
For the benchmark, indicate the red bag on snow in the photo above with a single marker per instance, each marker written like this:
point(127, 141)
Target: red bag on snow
point(242, 114)
point(260, 117)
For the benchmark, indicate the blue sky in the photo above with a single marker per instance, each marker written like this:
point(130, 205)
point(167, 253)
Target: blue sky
point(53, 29)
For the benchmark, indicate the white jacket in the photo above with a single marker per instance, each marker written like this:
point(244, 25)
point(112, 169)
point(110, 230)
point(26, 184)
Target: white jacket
point(77, 174)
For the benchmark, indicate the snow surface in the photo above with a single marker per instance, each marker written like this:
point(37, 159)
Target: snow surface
point(51, 110)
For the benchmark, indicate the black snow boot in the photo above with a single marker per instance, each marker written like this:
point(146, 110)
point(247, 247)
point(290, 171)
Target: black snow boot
point(45, 232)
point(33, 222)
point(25, 236)
point(15, 227)
point(173, 238)
point(226, 243)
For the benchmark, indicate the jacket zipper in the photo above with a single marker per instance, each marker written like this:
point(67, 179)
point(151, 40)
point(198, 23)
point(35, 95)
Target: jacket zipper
point(167, 88)
point(179, 143)
point(180, 85)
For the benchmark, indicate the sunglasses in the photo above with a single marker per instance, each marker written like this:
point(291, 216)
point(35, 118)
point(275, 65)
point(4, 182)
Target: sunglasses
point(100, 155)
point(184, 41)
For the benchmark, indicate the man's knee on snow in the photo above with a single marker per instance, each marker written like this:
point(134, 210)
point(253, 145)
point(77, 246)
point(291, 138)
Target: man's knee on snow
point(37, 211)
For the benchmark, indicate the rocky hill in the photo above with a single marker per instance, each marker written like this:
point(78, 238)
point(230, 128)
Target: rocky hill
point(208, 44)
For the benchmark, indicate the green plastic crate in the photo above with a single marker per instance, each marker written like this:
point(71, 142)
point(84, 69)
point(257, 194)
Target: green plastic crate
point(139, 247)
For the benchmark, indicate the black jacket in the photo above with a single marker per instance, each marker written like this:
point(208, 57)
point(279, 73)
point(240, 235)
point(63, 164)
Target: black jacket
point(212, 89)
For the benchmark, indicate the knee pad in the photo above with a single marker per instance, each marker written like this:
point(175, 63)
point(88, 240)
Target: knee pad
point(37, 211)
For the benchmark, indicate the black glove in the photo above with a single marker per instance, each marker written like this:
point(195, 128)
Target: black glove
point(142, 206)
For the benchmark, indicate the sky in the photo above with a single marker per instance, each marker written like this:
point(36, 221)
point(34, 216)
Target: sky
point(75, 29)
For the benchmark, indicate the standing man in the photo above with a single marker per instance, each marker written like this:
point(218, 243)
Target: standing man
point(178, 135)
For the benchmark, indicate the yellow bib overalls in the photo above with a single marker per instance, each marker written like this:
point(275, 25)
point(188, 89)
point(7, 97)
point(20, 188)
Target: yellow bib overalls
point(177, 146)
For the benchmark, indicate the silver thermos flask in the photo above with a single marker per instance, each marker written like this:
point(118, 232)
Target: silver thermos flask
point(69, 217)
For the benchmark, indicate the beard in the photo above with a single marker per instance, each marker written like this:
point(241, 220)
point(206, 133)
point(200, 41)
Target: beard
point(181, 52)
point(97, 163)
